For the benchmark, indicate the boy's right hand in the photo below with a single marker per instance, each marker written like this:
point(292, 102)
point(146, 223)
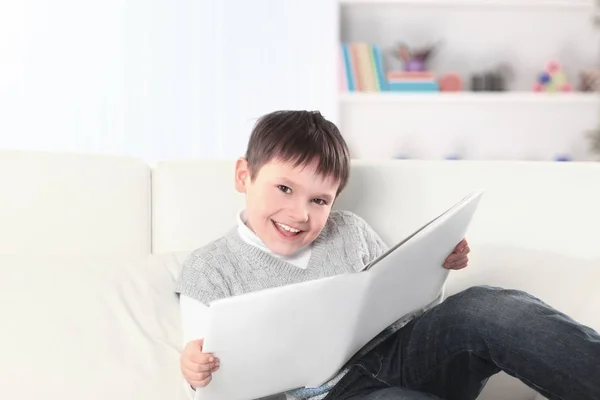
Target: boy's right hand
point(197, 367)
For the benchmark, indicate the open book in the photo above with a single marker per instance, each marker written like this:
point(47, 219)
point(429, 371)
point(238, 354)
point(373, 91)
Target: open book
point(300, 335)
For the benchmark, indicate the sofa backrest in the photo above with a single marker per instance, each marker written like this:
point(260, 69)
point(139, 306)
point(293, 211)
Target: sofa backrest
point(193, 202)
point(535, 227)
point(69, 204)
point(536, 206)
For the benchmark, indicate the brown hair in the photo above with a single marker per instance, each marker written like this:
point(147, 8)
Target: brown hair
point(299, 137)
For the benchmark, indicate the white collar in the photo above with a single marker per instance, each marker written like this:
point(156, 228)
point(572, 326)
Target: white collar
point(300, 258)
point(248, 235)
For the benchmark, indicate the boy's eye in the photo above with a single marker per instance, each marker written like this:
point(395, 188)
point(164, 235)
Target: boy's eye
point(320, 202)
point(284, 189)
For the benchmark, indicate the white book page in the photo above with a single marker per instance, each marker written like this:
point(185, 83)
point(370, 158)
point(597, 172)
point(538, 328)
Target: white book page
point(283, 338)
point(411, 277)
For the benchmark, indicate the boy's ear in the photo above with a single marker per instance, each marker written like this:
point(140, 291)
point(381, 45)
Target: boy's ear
point(242, 175)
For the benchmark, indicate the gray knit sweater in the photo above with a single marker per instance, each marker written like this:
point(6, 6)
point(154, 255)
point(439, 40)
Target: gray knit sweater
point(229, 266)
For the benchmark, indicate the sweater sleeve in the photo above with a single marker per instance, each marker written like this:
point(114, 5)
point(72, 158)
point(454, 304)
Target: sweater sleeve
point(373, 242)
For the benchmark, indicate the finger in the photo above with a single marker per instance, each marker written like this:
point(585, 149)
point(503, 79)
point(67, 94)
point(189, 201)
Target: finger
point(203, 358)
point(453, 262)
point(205, 382)
point(460, 246)
point(450, 259)
point(462, 260)
point(197, 367)
point(197, 377)
point(460, 265)
point(194, 374)
point(453, 258)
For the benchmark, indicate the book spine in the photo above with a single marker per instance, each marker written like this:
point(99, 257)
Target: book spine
point(349, 71)
point(380, 68)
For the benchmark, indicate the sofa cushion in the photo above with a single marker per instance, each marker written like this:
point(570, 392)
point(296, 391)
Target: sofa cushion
point(69, 203)
point(93, 328)
point(566, 283)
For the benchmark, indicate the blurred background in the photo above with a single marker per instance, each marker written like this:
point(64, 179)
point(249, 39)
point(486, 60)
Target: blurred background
point(416, 79)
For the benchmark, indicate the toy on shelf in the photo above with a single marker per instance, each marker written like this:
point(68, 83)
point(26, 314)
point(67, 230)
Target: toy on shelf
point(451, 82)
point(553, 79)
point(415, 75)
point(589, 80)
point(415, 60)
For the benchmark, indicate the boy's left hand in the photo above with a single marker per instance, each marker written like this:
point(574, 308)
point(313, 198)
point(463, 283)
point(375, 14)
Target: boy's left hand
point(458, 259)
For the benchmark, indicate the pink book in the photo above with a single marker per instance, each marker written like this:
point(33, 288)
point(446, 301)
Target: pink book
point(409, 75)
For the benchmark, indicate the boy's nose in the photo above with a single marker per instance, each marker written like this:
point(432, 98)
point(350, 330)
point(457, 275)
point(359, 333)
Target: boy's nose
point(299, 213)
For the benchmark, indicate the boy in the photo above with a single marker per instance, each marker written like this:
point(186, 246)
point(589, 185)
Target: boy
point(295, 166)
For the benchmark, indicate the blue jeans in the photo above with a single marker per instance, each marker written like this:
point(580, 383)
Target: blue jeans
point(450, 351)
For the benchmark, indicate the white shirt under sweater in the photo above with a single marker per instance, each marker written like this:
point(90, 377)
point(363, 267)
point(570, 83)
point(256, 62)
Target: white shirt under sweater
point(194, 313)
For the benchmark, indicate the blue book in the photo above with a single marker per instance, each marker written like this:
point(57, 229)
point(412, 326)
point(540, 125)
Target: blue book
point(349, 71)
point(379, 67)
point(407, 86)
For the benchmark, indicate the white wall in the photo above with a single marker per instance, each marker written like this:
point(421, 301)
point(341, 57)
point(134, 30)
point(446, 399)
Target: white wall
point(159, 78)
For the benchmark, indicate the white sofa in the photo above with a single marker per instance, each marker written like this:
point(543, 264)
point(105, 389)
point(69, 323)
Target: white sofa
point(90, 247)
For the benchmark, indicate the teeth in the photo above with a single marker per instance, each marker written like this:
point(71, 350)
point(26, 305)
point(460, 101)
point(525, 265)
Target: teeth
point(287, 228)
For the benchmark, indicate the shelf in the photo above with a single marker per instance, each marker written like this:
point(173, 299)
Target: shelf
point(469, 97)
point(479, 3)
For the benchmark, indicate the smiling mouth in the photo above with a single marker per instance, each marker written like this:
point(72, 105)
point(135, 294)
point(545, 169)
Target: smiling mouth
point(286, 230)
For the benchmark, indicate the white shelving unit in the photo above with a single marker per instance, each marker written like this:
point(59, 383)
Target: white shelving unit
point(478, 35)
point(485, 3)
point(471, 97)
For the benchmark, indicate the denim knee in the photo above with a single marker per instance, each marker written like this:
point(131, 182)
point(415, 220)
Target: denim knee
point(482, 292)
point(489, 307)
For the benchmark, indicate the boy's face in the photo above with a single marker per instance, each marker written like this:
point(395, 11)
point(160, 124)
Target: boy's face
point(286, 207)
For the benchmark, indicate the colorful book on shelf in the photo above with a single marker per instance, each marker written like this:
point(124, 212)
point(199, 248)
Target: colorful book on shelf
point(379, 67)
point(366, 76)
point(341, 69)
point(362, 67)
point(412, 76)
point(345, 70)
point(412, 81)
point(413, 86)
